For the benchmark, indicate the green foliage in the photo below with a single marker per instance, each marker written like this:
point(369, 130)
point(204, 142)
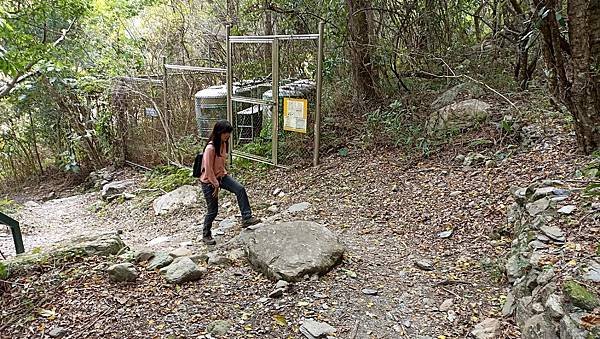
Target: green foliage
point(396, 125)
point(168, 178)
point(8, 206)
point(3, 271)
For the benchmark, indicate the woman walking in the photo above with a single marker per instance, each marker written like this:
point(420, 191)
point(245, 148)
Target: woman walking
point(214, 177)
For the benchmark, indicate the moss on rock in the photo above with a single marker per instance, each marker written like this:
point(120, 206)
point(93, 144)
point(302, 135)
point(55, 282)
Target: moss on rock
point(580, 296)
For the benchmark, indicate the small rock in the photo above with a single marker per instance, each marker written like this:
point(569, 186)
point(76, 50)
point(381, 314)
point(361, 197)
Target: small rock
point(455, 193)
point(490, 164)
point(545, 276)
point(182, 270)
point(447, 305)
point(543, 192)
point(487, 329)
point(369, 291)
point(554, 305)
point(319, 295)
point(181, 252)
point(303, 206)
point(282, 284)
point(312, 329)
point(538, 326)
point(451, 316)
point(125, 272)
point(580, 296)
point(446, 234)
point(569, 329)
point(425, 265)
point(219, 327)
point(593, 273)
point(273, 209)
point(128, 196)
point(567, 209)
point(160, 260)
point(509, 305)
point(57, 332)
point(406, 323)
point(277, 293)
point(276, 191)
point(538, 245)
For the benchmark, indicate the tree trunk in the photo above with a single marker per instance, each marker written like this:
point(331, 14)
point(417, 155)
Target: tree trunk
point(584, 99)
point(364, 74)
point(572, 78)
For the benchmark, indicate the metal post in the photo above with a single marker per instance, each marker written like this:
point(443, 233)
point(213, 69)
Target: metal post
point(229, 80)
point(275, 91)
point(319, 95)
point(15, 230)
point(166, 117)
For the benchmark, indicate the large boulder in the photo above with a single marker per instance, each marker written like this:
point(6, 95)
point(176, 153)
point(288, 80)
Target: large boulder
point(184, 196)
point(291, 250)
point(459, 115)
point(470, 90)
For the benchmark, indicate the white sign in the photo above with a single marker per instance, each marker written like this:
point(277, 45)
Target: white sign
point(295, 113)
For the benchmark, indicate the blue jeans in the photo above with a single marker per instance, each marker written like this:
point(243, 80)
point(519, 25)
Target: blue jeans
point(230, 184)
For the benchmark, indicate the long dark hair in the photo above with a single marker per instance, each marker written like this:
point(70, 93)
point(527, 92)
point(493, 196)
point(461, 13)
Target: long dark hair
point(222, 126)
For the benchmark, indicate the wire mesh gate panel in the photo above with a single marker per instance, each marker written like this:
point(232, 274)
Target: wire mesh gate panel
point(276, 117)
point(138, 103)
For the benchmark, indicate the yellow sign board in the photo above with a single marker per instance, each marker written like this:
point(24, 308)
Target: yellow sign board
point(295, 114)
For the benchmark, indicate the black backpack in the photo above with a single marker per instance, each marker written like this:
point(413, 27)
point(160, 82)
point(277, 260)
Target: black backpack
point(197, 169)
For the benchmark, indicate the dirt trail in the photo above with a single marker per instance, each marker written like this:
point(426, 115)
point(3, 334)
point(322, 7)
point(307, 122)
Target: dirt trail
point(389, 215)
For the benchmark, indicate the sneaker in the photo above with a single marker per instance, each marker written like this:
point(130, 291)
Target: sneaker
point(209, 240)
point(250, 221)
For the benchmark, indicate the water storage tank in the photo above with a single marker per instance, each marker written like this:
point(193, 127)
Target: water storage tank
point(211, 106)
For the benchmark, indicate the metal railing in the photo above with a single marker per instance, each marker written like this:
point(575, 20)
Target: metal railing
point(15, 230)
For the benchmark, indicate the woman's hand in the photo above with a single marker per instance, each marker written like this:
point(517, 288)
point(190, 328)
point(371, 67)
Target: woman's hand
point(215, 193)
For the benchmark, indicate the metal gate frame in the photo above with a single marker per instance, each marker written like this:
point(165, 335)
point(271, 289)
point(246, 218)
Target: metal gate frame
point(274, 103)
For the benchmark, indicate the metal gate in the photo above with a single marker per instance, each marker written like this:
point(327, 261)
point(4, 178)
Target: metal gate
point(273, 103)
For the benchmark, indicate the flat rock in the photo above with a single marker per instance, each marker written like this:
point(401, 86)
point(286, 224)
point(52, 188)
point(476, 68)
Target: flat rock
point(312, 329)
point(554, 233)
point(568, 209)
point(181, 252)
point(182, 270)
point(303, 206)
point(291, 250)
point(538, 206)
point(184, 196)
point(445, 234)
point(487, 329)
point(160, 260)
point(425, 265)
point(124, 272)
point(369, 291)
